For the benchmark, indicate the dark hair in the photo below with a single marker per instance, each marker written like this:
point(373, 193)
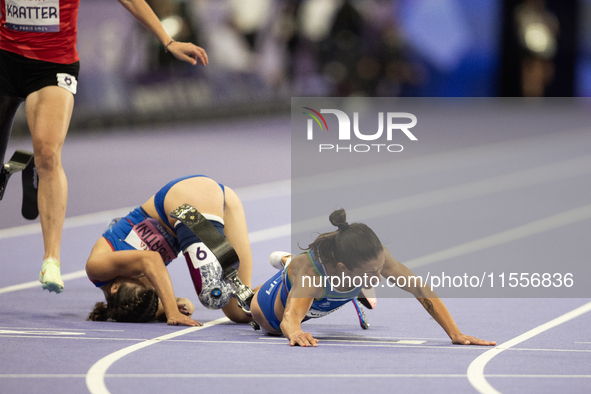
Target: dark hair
point(132, 304)
point(352, 244)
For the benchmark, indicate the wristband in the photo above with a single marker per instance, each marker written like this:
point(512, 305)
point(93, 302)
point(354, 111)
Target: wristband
point(166, 46)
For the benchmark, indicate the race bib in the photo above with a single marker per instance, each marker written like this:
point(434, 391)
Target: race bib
point(39, 16)
point(150, 235)
point(200, 255)
point(67, 82)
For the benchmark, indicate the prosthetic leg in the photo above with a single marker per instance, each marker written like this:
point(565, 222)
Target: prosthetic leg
point(20, 160)
point(366, 297)
point(224, 253)
point(360, 314)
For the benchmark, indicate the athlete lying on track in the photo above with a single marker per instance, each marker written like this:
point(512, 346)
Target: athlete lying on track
point(300, 292)
point(128, 263)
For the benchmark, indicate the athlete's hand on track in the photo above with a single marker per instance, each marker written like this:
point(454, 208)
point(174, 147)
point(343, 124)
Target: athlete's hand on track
point(188, 52)
point(304, 339)
point(178, 319)
point(468, 340)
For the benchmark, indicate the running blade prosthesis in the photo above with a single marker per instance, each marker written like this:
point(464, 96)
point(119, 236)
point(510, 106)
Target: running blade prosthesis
point(22, 161)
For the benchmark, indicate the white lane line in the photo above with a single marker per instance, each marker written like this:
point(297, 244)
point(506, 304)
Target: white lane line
point(476, 368)
point(56, 329)
point(282, 342)
point(503, 183)
point(71, 222)
point(439, 162)
point(35, 283)
point(34, 333)
point(535, 227)
point(372, 341)
point(95, 377)
point(266, 376)
point(249, 193)
point(530, 177)
point(254, 237)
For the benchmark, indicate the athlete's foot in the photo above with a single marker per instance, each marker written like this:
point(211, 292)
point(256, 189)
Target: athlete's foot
point(50, 276)
point(280, 259)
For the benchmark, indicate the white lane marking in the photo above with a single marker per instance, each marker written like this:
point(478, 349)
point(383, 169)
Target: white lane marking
point(324, 342)
point(542, 174)
point(9, 333)
point(535, 227)
point(55, 329)
point(35, 283)
point(265, 376)
point(71, 222)
point(95, 377)
point(372, 341)
point(254, 237)
point(83, 338)
point(501, 183)
point(249, 193)
point(476, 368)
point(444, 161)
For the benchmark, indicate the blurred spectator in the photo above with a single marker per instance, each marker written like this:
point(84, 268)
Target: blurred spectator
point(356, 47)
point(537, 30)
point(539, 52)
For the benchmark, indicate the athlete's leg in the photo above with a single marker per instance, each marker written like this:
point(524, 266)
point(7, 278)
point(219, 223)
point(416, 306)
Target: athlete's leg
point(207, 197)
point(266, 305)
point(48, 113)
point(237, 234)
point(200, 192)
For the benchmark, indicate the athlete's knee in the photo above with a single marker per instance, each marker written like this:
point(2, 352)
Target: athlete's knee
point(47, 158)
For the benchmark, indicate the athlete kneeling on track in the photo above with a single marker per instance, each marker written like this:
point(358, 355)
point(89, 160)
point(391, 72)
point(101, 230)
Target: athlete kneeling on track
point(303, 290)
point(203, 219)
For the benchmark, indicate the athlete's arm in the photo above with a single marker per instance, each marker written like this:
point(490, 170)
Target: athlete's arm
point(184, 51)
point(430, 301)
point(299, 301)
point(105, 265)
point(295, 311)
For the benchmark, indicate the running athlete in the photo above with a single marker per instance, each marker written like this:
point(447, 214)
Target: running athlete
point(39, 65)
point(302, 290)
point(128, 263)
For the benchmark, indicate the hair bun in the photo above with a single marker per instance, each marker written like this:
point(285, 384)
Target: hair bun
point(339, 219)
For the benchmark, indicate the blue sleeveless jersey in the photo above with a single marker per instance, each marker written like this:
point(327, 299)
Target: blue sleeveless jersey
point(330, 301)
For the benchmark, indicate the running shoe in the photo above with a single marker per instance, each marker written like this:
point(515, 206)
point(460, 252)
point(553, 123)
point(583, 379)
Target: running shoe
point(276, 259)
point(50, 276)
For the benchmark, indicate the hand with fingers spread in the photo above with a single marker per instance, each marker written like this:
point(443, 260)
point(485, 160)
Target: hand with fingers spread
point(178, 319)
point(188, 52)
point(303, 339)
point(462, 339)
